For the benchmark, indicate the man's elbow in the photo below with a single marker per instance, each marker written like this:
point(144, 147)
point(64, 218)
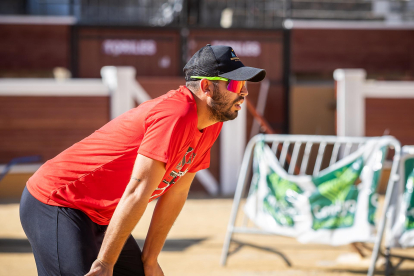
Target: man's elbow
point(138, 191)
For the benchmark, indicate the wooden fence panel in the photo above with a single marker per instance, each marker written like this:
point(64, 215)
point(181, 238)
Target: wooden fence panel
point(47, 125)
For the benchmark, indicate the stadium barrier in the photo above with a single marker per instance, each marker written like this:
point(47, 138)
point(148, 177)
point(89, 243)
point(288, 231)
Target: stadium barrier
point(303, 187)
point(43, 117)
point(373, 107)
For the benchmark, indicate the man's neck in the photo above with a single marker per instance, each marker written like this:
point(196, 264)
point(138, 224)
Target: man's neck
point(203, 113)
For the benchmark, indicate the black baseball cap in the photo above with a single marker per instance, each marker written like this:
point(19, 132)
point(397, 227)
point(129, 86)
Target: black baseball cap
point(220, 61)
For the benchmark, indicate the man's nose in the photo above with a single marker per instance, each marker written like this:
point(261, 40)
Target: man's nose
point(243, 91)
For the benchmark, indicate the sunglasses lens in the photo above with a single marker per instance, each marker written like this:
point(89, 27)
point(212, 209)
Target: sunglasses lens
point(235, 86)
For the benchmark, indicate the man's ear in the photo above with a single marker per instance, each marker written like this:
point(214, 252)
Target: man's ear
point(206, 87)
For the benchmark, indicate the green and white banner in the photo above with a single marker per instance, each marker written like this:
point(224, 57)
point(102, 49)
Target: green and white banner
point(275, 197)
point(336, 207)
point(402, 230)
point(407, 237)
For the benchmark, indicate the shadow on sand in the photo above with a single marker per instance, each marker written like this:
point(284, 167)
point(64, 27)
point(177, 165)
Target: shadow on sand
point(23, 245)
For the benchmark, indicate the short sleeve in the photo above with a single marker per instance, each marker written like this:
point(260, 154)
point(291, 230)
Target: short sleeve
point(201, 163)
point(166, 134)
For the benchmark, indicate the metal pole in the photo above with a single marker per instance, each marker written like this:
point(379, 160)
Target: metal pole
point(388, 194)
point(286, 62)
point(288, 9)
point(72, 7)
point(184, 32)
point(74, 44)
point(286, 74)
point(244, 170)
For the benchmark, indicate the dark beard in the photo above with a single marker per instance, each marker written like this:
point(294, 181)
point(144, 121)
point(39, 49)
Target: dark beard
point(220, 109)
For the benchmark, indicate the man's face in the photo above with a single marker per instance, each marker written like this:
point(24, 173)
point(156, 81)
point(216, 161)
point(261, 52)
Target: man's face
point(225, 104)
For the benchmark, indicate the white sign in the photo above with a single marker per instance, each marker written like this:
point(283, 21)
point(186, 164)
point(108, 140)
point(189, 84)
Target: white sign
point(242, 48)
point(117, 47)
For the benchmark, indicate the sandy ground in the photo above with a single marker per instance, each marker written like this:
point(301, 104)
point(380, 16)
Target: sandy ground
point(195, 243)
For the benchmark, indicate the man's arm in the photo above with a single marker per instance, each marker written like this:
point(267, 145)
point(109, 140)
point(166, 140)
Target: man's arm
point(146, 176)
point(166, 211)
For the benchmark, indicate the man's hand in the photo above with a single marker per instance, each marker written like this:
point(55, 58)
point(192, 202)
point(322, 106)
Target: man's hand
point(100, 269)
point(153, 269)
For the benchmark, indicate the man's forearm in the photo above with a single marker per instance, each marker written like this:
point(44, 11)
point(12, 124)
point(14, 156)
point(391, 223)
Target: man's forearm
point(130, 209)
point(166, 211)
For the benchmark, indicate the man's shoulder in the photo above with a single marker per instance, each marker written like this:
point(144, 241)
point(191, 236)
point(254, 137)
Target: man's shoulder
point(175, 103)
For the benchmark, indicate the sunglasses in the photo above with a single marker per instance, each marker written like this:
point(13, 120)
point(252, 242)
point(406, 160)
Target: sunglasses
point(233, 86)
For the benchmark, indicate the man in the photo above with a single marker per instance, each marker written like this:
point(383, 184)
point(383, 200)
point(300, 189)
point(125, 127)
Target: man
point(79, 208)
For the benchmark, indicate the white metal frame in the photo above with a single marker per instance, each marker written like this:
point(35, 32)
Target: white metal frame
point(342, 146)
point(392, 240)
point(353, 88)
point(346, 25)
point(37, 20)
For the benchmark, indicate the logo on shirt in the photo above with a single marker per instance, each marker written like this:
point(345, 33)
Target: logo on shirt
point(187, 159)
point(180, 170)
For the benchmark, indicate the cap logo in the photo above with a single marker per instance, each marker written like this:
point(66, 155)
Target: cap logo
point(234, 56)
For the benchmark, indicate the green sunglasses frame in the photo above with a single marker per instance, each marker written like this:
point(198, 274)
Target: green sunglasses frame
point(210, 78)
point(216, 78)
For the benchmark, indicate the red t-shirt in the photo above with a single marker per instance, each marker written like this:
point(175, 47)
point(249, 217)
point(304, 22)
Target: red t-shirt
point(92, 174)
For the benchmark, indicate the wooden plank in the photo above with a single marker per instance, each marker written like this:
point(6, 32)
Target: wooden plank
point(377, 51)
point(47, 125)
point(392, 116)
point(34, 47)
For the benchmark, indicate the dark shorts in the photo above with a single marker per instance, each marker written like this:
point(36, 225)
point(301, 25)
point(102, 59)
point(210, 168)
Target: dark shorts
point(66, 241)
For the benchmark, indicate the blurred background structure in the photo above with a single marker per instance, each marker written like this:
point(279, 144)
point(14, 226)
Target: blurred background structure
point(209, 13)
point(299, 42)
point(54, 92)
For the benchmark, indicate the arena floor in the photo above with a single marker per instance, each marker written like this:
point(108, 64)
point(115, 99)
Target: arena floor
point(195, 243)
